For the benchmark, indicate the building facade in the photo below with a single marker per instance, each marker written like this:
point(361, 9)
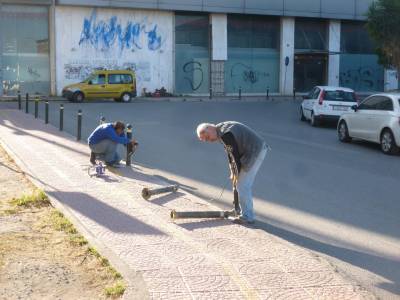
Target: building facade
point(190, 46)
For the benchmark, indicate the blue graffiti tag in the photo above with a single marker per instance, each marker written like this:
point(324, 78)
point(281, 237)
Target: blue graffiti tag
point(104, 35)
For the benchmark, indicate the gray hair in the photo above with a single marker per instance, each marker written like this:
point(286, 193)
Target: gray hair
point(202, 127)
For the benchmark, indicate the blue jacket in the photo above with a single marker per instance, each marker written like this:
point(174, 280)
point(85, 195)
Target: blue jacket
point(106, 132)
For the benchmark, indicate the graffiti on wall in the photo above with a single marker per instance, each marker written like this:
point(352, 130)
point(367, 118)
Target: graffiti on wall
point(245, 75)
point(195, 70)
point(362, 79)
point(105, 35)
point(81, 69)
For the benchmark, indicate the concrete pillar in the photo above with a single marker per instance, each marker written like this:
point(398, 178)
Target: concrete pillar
point(286, 75)
point(334, 49)
point(391, 80)
point(219, 52)
point(52, 48)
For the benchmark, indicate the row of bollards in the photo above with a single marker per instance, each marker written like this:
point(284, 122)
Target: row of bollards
point(129, 147)
point(46, 113)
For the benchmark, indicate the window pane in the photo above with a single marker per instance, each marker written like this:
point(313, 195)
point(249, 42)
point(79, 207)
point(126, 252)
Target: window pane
point(25, 49)
point(340, 96)
point(310, 35)
point(191, 53)
point(354, 38)
point(359, 67)
point(99, 79)
point(253, 54)
point(385, 104)
point(127, 79)
point(114, 79)
point(370, 103)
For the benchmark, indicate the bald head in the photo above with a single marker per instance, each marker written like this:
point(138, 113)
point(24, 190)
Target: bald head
point(207, 132)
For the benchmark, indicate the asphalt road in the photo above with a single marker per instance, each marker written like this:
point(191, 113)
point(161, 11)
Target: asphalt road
point(339, 200)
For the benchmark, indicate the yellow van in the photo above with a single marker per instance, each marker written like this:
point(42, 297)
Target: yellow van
point(117, 84)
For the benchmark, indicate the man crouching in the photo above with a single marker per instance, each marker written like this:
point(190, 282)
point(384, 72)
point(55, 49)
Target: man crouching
point(103, 143)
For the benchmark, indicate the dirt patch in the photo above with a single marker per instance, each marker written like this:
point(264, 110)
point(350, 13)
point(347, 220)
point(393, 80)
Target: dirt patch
point(38, 258)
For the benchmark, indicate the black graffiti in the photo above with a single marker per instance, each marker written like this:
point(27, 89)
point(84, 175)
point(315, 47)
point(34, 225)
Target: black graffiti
point(192, 67)
point(247, 73)
point(364, 77)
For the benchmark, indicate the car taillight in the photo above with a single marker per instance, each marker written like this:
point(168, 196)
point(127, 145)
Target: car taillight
point(321, 98)
point(356, 98)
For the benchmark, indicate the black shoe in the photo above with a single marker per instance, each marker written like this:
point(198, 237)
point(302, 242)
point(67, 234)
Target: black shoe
point(92, 158)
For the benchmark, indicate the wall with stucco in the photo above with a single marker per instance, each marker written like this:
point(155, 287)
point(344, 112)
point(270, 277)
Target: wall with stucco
point(90, 38)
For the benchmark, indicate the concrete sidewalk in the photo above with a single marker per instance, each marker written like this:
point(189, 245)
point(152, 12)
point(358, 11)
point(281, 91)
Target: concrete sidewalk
point(160, 258)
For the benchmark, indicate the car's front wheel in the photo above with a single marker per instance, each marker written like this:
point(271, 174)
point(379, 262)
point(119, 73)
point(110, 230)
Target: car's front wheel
point(388, 144)
point(78, 97)
point(343, 132)
point(126, 97)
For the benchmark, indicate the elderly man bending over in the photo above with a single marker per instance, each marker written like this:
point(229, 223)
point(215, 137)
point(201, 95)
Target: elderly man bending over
point(246, 152)
point(103, 142)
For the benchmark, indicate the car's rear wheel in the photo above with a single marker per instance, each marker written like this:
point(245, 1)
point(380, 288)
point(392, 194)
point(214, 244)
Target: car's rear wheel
point(388, 144)
point(78, 97)
point(126, 97)
point(343, 132)
point(302, 117)
point(314, 121)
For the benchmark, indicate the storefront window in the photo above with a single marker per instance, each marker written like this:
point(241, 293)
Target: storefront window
point(191, 54)
point(359, 67)
point(24, 49)
point(253, 54)
point(310, 35)
point(311, 56)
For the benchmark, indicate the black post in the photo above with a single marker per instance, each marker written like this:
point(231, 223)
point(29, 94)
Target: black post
point(27, 103)
point(294, 93)
point(129, 145)
point(267, 93)
point(46, 112)
point(19, 101)
point(210, 93)
point(61, 117)
point(240, 93)
point(79, 133)
point(36, 106)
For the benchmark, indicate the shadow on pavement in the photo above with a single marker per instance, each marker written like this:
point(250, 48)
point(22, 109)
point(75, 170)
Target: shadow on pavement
point(164, 199)
point(386, 268)
point(104, 214)
point(23, 132)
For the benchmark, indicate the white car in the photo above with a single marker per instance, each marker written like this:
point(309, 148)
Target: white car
point(375, 119)
point(326, 103)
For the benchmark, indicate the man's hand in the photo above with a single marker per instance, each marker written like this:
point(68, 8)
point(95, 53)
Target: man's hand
point(134, 143)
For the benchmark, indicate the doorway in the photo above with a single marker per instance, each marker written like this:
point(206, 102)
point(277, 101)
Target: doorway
point(309, 70)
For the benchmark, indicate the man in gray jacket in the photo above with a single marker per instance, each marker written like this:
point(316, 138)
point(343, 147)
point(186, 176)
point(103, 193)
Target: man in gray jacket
point(246, 152)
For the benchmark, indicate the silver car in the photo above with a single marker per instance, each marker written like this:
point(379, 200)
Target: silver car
point(375, 119)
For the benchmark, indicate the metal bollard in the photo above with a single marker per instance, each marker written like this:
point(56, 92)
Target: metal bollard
point(79, 130)
point(46, 112)
point(129, 145)
point(267, 93)
point(61, 117)
point(19, 101)
point(210, 93)
point(102, 120)
point(27, 103)
point(36, 107)
point(240, 93)
point(147, 192)
point(294, 93)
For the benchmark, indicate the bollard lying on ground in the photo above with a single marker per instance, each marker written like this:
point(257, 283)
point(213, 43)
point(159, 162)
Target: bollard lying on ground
point(202, 214)
point(147, 192)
